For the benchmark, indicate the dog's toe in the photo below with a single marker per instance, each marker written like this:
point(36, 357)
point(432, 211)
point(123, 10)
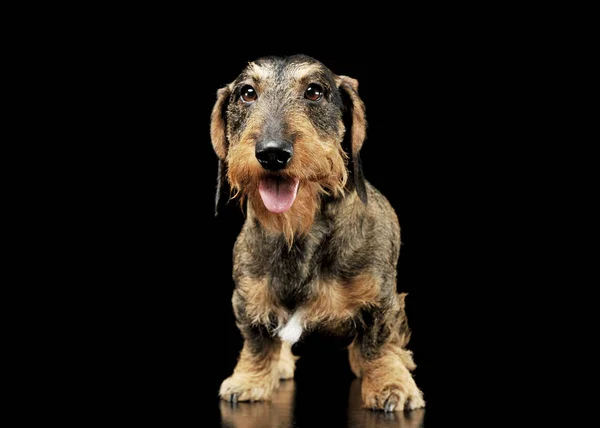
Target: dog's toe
point(390, 404)
point(415, 401)
point(393, 398)
point(243, 388)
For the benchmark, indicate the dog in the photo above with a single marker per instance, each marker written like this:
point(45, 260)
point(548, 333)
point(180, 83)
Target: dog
point(319, 246)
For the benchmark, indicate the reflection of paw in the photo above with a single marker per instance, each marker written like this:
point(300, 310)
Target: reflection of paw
point(392, 397)
point(240, 387)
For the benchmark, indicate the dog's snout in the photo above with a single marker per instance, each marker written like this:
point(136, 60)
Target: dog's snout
point(274, 154)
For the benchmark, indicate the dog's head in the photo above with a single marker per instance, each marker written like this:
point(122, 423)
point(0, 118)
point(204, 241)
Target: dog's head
point(280, 133)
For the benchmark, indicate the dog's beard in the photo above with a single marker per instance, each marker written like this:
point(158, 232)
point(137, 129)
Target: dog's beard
point(287, 202)
point(296, 220)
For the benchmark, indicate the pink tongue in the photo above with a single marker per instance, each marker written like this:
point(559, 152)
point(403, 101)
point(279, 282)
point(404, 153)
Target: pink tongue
point(278, 194)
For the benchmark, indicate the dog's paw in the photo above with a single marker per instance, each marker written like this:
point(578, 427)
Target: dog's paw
point(392, 397)
point(286, 369)
point(287, 364)
point(245, 388)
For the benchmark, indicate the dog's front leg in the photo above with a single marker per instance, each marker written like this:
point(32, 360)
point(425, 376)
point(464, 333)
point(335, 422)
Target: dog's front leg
point(378, 355)
point(256, 374)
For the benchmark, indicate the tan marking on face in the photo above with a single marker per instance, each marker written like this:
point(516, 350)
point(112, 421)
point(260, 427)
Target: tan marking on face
point(297, 220)
point(319, 163)
point(260, 76)
point(260, 72)
point(302, 71)
point(244, 170)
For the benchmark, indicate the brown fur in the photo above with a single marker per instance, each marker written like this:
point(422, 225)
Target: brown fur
point(329, 262)
point(358, 114)
point(287, 362)
point(320, 166)
point(363, 418)
point(217, 125)
point(260, 302)
point(278, 412)
point(337, 301)
point(387, 378)
point(334, 302)
point(256, 375)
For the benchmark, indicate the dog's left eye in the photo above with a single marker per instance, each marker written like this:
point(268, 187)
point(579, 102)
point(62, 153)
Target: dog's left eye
point(314, 92)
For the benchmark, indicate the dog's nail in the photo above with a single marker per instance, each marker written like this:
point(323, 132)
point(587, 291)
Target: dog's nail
point(389, 406)
point(233, 398)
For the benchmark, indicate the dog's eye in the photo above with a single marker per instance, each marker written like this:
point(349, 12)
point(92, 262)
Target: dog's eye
point(314, 92)
point(248, 94)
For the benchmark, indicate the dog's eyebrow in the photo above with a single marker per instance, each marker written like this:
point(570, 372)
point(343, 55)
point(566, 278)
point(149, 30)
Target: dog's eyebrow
point(259, 72)
point(298, 72)
point(305, 71)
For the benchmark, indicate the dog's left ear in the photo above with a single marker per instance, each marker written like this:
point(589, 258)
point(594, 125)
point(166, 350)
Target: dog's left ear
point(358, 130)
point(218, 136)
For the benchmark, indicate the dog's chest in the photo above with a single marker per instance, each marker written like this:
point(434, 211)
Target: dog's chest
point(331, 305)
point(316, 284)
point(293, 328)
point(293, 274)
point(325, 303)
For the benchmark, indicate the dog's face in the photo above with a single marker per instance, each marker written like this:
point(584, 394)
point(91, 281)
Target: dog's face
point(279, 128)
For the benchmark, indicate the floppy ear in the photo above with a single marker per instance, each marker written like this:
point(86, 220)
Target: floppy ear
point(218, 136)
point(358, 131)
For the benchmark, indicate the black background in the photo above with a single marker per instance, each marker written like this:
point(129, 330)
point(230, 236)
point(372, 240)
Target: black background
point(162, 261)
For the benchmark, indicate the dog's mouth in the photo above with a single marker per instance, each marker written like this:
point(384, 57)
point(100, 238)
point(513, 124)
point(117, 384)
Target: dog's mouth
point(278, 193)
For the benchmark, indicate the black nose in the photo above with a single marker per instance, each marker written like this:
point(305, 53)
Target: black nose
point(274, 155)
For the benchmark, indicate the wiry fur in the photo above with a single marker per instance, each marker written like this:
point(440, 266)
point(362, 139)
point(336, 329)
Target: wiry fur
point(329, 262)
point(319, 164)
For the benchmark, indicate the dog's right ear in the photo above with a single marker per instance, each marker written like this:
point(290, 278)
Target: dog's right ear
point(218, 137)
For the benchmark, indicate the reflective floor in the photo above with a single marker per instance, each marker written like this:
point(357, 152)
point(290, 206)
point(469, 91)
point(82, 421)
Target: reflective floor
point(298, 405)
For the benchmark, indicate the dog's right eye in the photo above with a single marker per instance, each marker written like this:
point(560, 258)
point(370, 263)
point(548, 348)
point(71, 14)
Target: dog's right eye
point(248, 94)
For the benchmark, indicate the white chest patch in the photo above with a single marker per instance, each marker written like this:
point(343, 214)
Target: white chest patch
point(292, 331)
